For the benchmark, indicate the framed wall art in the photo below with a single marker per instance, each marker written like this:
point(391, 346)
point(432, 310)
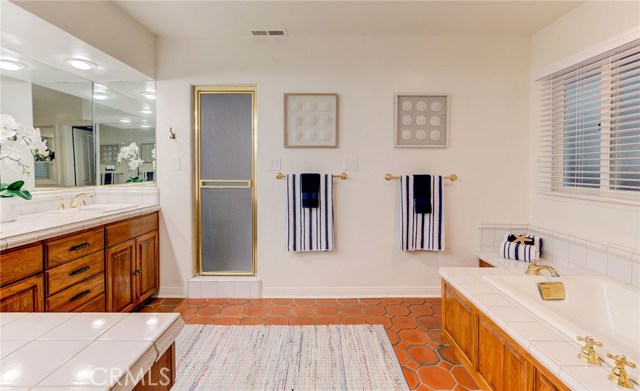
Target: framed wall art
point(421, 120)
point(310, 120)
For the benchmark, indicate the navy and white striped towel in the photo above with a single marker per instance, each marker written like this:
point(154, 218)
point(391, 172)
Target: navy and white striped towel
point(422, 231)
point(519, 252)
point(309, 229)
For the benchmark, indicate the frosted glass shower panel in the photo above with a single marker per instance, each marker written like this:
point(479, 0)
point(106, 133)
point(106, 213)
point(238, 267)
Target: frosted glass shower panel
point(226, 136)
point(227, 239)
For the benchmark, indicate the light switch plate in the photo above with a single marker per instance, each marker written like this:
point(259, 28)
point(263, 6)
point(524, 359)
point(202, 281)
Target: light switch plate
point(175, 163)
point(350, 163)
point(273, 164)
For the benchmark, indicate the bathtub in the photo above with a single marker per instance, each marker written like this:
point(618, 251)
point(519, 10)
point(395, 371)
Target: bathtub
point(594, 306)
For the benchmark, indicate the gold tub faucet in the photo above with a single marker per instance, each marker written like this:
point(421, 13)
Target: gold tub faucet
point(619, 374)
point(588, 353)
point(83, 203)
point(534, 269)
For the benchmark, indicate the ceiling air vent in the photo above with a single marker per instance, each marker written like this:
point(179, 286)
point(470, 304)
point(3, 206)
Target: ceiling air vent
point(259, 33)
point(269, 33)
point(276, 33)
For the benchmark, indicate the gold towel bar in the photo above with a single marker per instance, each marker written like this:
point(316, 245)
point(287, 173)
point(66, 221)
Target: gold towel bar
point(342, 175)
point(452, 177)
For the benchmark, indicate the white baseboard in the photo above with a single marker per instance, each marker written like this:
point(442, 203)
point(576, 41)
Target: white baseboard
point(349, 292)
point(172, 292)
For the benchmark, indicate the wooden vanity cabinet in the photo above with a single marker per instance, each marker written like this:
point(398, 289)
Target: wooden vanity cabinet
point(482, 263)
point(21, 279)
point(132, 262)
point(493, 358)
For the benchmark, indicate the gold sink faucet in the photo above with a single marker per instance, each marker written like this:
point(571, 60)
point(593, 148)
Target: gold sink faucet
point(83, 203)
point(588, 353)
point(534, 269)
point(618, 374)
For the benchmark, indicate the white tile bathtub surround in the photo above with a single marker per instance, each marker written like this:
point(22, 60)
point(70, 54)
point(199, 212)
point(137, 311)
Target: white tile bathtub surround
point(609, 259)
point(551, 348)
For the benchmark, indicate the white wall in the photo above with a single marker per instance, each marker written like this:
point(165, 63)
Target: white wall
point(487, 79)
point(588, 25)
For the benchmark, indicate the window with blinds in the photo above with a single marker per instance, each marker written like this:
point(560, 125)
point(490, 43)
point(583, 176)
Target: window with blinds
point(590, 119)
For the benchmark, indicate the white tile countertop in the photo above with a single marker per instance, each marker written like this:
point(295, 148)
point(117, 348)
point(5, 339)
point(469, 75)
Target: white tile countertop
point(88, 351)
point(33, 227)
point(551, 348)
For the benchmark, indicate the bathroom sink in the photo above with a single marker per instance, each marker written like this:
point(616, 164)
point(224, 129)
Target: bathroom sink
point(96, 208)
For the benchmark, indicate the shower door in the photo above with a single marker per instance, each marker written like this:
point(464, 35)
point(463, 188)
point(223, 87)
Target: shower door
point(225, 208)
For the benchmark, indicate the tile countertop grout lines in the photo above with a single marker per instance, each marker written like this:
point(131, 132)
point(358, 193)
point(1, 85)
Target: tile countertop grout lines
point(468, 281)
point(62, 226)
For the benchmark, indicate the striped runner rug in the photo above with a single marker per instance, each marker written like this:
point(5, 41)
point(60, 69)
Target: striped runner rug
point(298, 358)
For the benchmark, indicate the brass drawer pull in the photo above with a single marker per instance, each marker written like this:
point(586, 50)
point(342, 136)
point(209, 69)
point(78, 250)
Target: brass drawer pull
point(80, 295)
point(80, 270)
point(79, 246)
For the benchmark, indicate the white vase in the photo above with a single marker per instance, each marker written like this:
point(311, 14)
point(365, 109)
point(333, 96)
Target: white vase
point(8, 209)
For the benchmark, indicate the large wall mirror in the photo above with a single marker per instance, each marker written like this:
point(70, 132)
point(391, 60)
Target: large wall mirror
point(99, 133)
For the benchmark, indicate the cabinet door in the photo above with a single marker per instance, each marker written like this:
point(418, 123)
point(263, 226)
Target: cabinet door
point(121, 262)
point(518, 371)
point(548, 383)
point(147, 270)
point(26, 295)
point(459, 322)
point(490, 355)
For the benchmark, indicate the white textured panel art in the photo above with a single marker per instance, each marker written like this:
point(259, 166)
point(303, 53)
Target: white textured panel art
point(421, 120)
point(310, 120)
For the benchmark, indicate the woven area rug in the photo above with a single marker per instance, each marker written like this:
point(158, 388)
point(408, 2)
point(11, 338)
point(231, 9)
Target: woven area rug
point(298, 358)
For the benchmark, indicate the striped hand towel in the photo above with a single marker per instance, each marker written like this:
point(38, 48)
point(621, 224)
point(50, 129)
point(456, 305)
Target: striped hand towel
point(422, 231)
point(519, 252)
point(309, 229)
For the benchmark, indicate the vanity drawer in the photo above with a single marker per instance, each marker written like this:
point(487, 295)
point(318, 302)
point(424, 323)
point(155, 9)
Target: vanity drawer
point(125, 230)
point(96, 304)
point(73, 272)
point(20, 263)
point(71, 298)
point(75, 246)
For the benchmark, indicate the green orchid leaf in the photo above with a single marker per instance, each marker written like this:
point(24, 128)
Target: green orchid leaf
point(15, 185)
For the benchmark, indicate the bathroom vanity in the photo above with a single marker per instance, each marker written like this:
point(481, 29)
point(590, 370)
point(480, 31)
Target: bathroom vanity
point(80, 262)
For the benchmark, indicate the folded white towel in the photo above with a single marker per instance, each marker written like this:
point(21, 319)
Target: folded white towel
point(309, 229)
point(422, 231)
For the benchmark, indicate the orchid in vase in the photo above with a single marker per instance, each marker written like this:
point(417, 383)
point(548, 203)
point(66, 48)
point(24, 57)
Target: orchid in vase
point(131, 154)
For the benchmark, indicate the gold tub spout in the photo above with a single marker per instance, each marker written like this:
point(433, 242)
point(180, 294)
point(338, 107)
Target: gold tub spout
point(618, 374)
point(534, 269)
point(588, 353)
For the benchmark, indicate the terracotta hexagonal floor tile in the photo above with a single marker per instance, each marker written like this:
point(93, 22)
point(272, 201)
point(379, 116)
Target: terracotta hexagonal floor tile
point(375, 310)
point(423, 355)
point(400, 354)
point(421, 309)
point(350, 310)
point(209, 310)
point(217, 301)
point(238, 301)
point(327, 301)
point(304, 301)
point(393, 337)
point(353, 320)
point(404, 322)
point(424, 387)
point(378, 320)
point(348, 301)
point(282, 301)
point(412, 365)
point(172, 301)
point(397, 310)
point(414, 300)
point(413, 337)
point(436, 336)
point(260, 301)
point(445, 365)
point(402, 345)
point(232, 310)
point(368, 301)
point(194, 301)
point(279, 310)
point(436, 377)
point(200, 320)
point(463, 377)
point(325, 320)
point(412, 379)
point(446, 353)
point(276, 320)
point(301, 321)
point(253, 321)
point(226, 321)
point(303, 310)
point(429, 322)
point(391, 300)
point(253, 310)
point(185, 310)
point(325, 310)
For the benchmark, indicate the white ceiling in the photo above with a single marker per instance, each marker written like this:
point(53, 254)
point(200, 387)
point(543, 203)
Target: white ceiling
point(212, 18)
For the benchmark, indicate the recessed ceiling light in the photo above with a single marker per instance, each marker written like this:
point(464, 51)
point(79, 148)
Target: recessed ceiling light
point(80, 63)
point(149, 94)
point(100, 96)
point(146, 111)
point(144, 125)
point(125, 121)
point(11, 65)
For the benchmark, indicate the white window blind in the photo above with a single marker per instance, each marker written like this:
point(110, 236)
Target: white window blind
point(590, 128)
